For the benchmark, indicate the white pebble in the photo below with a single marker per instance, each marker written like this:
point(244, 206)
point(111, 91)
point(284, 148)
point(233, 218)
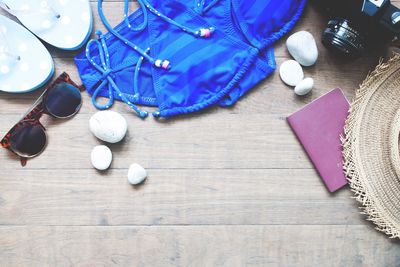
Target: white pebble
point(291, 72)
point(101, 157)
point(136, 174)
point(302, 47)
point(304, 87)
point(108, 126)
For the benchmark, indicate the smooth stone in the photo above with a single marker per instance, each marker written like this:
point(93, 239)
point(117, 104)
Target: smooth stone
point(136, 174)
point(101, 157)
point(304, 87)
point(291, 72)
point(303, 48)
point(109, 126)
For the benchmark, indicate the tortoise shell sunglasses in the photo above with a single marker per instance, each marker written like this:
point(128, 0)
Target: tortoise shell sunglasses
point(61, 100)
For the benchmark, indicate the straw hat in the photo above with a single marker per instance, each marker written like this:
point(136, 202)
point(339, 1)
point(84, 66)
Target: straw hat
point(371, 147)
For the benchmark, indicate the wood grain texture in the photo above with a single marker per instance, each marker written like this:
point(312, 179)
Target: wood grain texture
point(256, 141)
point(206, 246)
point(226, 187)
point(172, 197)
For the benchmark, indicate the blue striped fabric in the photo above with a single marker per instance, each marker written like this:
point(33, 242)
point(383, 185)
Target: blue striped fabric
point(204, 71)
point(228, 15)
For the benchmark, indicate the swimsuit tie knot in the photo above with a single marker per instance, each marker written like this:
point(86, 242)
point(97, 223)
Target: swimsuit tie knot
point(108, 73)
point(107, 77)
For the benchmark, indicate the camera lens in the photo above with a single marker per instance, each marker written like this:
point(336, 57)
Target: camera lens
point(341, 37)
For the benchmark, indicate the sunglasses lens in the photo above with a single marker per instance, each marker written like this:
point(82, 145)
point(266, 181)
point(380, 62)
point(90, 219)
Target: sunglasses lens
point(64, 100)
point(28, 140)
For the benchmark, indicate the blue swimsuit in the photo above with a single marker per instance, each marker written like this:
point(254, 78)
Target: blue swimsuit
point(183, 56)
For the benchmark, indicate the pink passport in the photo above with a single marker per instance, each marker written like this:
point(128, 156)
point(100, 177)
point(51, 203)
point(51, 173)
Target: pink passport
point(318, 127)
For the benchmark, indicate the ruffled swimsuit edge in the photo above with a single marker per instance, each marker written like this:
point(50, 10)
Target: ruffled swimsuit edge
point(217, 97)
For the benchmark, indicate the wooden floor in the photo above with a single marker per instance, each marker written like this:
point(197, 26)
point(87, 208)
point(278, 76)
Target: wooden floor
point(226, 187)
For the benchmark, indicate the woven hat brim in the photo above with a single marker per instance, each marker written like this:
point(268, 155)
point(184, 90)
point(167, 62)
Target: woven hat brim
point(371, 147)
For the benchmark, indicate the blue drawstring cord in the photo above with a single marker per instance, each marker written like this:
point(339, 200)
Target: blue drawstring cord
point(142, 26)
point(107, 78)
point(107, 72)
point(136, 76)
point(156, 62)
point(209, 6)
point(203, 32)
point(144, 5)
point(201, 8)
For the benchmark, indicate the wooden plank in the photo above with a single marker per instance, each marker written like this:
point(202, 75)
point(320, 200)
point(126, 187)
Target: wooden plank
point(226, 187)
point(194, 246)
point(207, 141)
point(86, 197)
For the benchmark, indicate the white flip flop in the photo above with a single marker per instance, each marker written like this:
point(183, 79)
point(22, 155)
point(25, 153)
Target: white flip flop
point(25, 63)
point(65, 24)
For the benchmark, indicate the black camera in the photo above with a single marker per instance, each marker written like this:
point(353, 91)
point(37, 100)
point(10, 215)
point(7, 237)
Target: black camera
point(356, 25)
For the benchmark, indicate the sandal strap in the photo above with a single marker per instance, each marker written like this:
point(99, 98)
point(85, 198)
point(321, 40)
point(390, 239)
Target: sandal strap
point(8, 9)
